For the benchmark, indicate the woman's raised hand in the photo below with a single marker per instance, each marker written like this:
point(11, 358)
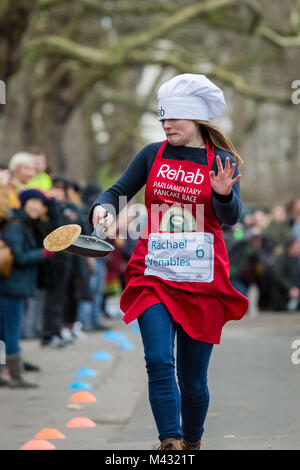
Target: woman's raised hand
point(222, 183)
point(99, 213)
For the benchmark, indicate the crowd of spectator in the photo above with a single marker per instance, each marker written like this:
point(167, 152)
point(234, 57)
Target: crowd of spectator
point(264, 250)
point(58, 297)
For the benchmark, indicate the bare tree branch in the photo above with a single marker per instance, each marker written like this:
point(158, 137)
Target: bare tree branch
point(46, 4)
point(295, 17)
point(57, 45)
point(217, 71)
point(251, 58)
point(276, 38)
point(256, 94)
point(257, 13)
point(175, 20)
point(52, 83)
point(129, 6)
point(132, 125)
point(122, 98)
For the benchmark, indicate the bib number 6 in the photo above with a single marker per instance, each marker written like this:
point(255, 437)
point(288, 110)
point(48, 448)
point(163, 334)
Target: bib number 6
point(199, 251)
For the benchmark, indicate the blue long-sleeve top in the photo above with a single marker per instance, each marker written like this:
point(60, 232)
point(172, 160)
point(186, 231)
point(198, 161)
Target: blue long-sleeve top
point(227, 208)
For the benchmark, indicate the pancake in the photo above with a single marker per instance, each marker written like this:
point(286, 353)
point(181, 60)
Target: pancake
point(62, 237)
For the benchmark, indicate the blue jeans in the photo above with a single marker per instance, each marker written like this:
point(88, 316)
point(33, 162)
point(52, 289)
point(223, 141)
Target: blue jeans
point(11, 312)
point(168, 402)
point(89, 311)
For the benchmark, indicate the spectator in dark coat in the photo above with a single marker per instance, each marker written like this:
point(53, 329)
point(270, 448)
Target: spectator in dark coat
point(90, 307)
point(65, 272)
point(286, 278)
point(278, 230)
point(32, 318)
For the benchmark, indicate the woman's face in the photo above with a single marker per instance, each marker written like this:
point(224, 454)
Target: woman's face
point(4, 176)
point(294, 249)
point(181, 131)
point(40, 163)
point(279, 214)
point(25, 172)
point(58, 193)
point(34, 208)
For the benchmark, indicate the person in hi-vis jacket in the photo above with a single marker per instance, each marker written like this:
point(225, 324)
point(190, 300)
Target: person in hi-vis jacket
point(177, 279)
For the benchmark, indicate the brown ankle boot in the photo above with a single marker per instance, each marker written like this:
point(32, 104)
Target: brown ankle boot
point(170, 444)
point(15, 368)
point(186, 445)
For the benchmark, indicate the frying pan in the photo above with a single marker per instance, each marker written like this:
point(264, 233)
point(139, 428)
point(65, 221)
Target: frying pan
point(85, 245)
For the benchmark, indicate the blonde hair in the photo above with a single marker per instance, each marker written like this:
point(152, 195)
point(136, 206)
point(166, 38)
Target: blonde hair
point(20, 158)
point(218, 138)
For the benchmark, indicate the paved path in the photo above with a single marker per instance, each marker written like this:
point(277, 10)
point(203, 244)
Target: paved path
point(254, 389)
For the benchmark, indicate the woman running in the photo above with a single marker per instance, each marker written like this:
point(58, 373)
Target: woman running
point(177, 279)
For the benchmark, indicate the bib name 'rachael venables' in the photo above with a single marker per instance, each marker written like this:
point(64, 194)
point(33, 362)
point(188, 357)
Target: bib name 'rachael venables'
point(180, 175)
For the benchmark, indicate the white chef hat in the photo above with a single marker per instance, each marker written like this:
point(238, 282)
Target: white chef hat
point(190, 96)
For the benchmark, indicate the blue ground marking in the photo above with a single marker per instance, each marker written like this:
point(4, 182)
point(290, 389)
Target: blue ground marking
point(127, 345)
point(136, 329)
point(80, 385)
point(86, 372)
point(101, 356)
point(114, 336)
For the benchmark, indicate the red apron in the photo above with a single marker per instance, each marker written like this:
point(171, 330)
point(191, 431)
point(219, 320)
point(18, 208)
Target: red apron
point(180, 259)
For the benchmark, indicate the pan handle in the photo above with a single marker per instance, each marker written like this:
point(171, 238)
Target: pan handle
point(98, 231)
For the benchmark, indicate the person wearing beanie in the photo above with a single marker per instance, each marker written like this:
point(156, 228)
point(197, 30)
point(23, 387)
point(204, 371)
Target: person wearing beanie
point(21, 284)
point(36, 194)
point(177, 279)
point(32, 323)
point(60, 188)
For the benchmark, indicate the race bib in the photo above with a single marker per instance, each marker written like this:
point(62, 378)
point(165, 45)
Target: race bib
point(181, 256)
